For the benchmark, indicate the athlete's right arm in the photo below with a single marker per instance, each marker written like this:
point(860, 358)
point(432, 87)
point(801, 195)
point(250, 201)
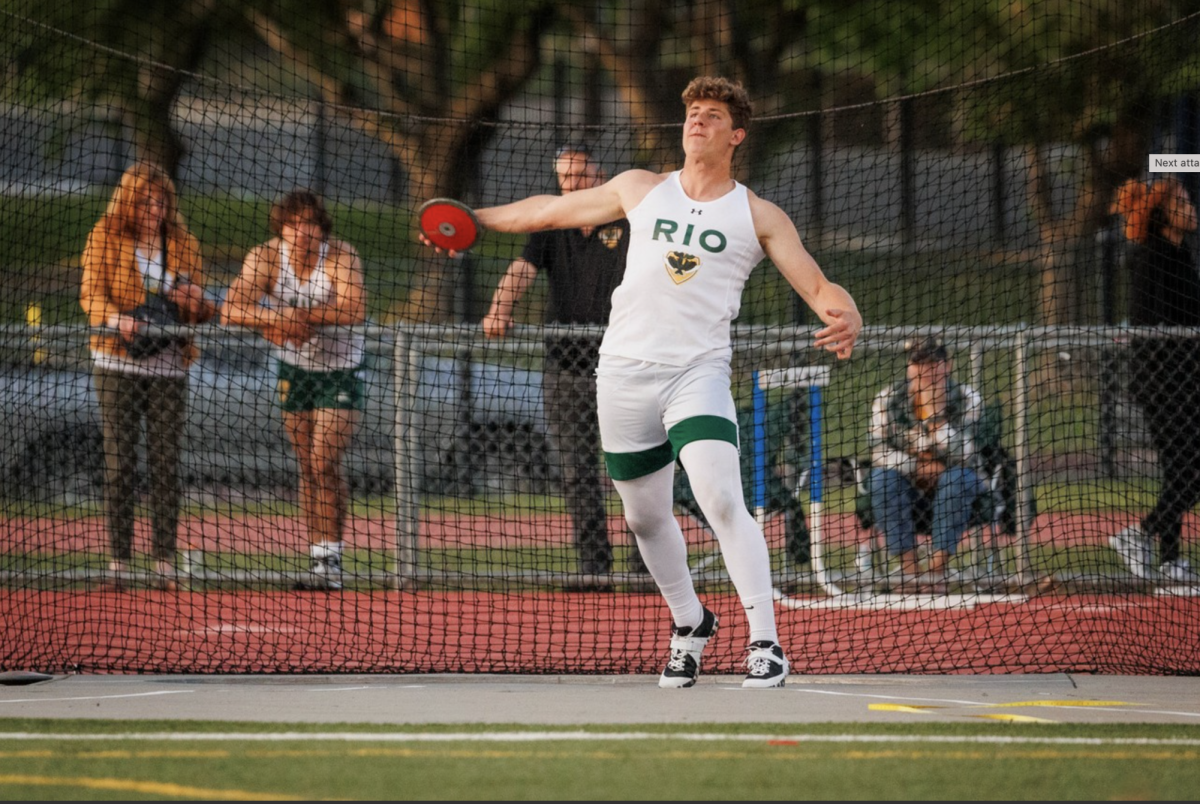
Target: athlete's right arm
point(243, 301)
point(516, 281)
point(591, 207)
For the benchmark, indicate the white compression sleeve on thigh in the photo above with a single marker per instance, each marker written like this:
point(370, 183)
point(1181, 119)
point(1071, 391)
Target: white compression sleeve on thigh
point(715, 475)
point(649, 510)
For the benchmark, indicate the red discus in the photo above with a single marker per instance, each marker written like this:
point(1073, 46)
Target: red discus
point(449, 224)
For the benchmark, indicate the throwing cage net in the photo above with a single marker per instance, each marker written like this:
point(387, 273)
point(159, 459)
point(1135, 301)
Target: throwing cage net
point(976, 176)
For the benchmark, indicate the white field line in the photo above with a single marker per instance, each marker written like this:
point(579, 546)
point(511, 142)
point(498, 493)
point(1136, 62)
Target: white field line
point(96, 697)
point(588, 736)
point(899, 602)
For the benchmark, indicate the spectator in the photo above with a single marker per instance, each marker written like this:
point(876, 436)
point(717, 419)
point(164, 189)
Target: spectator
point(1164, 291)
point(141, 252)
point(583, 267)
point(923, 452)
point(295, 289)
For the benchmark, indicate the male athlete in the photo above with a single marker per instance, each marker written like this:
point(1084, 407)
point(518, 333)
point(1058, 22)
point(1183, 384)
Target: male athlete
point(663, 382)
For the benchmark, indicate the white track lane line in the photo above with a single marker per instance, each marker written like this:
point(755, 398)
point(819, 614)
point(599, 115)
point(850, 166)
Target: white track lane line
point(96, 697)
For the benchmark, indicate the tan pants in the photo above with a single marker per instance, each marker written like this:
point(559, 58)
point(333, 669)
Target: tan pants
point(125, 400)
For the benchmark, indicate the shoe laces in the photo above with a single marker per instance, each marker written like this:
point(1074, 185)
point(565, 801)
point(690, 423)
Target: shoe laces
point(762, 661)
point(678, 660)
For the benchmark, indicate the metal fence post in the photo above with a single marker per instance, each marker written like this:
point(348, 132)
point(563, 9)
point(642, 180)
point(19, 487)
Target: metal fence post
point(1021, 453)
point(405, 374)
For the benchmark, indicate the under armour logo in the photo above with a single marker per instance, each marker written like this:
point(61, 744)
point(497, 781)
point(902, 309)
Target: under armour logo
point(697, 212)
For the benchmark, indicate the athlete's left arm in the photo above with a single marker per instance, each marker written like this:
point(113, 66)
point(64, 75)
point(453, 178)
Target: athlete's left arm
point(349, 303)
point(831, 302)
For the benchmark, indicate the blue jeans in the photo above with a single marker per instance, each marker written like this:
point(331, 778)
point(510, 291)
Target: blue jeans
point(894, 499)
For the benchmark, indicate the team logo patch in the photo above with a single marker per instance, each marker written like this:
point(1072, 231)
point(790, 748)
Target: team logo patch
point(610, 236)
point(681, 266)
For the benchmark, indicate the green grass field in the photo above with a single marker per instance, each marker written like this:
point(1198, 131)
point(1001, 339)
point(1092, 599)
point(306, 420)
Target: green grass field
point(207, 760)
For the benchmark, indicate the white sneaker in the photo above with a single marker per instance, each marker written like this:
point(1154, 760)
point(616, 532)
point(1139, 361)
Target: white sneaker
point(1134, 548)
point(768, 666)
point(1180, 572)
point(323, 574)
point(687, 645)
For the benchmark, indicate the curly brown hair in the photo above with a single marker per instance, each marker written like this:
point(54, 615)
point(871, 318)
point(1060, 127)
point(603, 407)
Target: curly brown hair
point(730, 93)
point(300, 204)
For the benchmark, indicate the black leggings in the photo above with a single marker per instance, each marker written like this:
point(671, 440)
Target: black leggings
point(1166, 377)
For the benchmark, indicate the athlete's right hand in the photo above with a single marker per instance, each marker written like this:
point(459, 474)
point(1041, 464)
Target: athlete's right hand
point(292, 325)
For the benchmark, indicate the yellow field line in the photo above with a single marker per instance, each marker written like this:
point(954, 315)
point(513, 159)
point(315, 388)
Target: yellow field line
point(911, 709)
point(149, 788)
point(1057, 703)
point(906, 708)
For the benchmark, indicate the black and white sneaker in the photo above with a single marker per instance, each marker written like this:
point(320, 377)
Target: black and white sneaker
point(687, 644)
point(323, 574)
point(1134, 549)
point(768, 666)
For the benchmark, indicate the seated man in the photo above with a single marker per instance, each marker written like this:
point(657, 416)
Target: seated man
point(923, 451)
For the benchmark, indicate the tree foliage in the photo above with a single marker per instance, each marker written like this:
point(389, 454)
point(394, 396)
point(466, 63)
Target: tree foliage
point(427, 77)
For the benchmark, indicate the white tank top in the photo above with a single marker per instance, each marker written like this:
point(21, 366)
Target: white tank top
point(688, 262)
point(325, 350)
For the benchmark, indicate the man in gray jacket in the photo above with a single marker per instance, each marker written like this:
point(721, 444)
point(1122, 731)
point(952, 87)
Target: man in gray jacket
point(923, 452)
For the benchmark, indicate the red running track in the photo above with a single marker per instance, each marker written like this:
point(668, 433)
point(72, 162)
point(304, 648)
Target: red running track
point(547, 632)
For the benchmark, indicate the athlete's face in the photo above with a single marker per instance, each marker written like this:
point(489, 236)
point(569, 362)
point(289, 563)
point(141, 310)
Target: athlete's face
point(576, 172)
point(709, 129)
point(302, 234)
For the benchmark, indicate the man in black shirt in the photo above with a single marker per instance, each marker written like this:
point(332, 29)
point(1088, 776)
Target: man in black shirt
point(583, 267)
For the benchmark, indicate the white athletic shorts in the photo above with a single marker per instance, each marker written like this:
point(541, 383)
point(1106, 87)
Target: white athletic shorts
point(649, 411)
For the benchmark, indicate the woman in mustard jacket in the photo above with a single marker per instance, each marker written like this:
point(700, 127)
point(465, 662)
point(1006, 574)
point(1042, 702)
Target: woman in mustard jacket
point(140, 249)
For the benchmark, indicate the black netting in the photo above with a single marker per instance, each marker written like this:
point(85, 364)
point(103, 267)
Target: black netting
point(977, 174)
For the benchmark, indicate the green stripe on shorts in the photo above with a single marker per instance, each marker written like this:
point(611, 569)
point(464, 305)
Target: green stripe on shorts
point(632, 465)
point(702, 428)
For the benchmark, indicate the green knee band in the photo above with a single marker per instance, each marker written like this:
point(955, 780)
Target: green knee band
point(632, 465)
point(702, 428)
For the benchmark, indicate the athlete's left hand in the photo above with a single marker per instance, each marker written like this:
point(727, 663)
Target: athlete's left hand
point(840, 333)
